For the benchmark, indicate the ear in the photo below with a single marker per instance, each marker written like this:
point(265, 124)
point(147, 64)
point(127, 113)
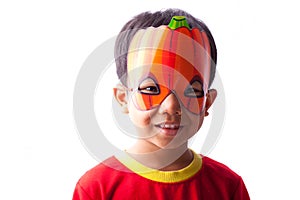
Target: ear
point(121, 97)
point(211, 96)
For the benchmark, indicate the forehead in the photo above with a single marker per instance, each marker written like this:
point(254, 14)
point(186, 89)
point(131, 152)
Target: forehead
point(161, 50)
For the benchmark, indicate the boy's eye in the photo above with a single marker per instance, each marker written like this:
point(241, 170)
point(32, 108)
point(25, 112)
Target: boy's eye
point(148, 86)
point(194, 90)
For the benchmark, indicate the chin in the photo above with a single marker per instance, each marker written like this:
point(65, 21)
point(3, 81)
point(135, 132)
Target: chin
point(171, 144)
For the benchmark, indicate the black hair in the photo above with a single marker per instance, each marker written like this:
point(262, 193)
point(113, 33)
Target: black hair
point(156, 19)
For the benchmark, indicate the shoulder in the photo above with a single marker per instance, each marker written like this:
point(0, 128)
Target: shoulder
point(212, 166)
point(102, 171)
point(222, 179)
point(97, 183)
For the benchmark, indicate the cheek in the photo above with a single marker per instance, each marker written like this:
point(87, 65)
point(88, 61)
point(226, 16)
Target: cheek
point(196, 122)
point(200, 121)
point(139, 118)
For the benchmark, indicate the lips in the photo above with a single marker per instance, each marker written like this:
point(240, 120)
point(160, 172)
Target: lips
point(169, 128)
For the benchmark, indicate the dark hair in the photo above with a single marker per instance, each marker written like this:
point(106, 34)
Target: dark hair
point(156, 19)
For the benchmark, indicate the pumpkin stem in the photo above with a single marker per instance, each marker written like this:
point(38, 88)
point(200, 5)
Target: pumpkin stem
point(177, 22)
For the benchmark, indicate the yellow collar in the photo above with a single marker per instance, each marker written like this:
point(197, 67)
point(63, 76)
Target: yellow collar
point(162, 176)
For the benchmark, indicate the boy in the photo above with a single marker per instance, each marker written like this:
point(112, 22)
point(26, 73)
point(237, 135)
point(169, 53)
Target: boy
point(166, 63)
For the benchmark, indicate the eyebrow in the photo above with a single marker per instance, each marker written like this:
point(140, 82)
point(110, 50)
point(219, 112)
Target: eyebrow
point(150, 75)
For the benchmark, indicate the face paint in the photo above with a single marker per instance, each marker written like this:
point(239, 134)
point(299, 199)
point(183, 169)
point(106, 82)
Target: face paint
point(162, 61)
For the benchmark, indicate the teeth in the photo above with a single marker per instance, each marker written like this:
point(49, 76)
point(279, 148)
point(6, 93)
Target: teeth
point(170, 126)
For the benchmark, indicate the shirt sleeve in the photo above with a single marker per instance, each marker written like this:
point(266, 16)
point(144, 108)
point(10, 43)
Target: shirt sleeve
point(241, 192)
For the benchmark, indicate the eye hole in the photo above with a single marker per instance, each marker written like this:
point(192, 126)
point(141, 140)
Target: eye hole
point(194, 90)
point(148, 86)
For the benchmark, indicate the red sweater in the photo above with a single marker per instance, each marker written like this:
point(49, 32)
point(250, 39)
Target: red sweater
point(113, 179)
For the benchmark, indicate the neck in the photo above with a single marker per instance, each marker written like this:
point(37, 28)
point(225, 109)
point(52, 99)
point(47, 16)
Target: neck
point(162, 159)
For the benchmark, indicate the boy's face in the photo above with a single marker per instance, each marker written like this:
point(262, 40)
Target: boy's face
point(164, 106)
point(168, 100)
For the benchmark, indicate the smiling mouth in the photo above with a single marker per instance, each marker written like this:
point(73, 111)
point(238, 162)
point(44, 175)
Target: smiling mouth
point(168, 126)
point(169, 129)
point(175, 125)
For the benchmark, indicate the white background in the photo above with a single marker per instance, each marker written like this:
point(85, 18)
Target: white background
point(43, 45)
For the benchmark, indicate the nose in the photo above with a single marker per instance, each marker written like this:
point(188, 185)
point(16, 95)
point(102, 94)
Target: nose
point(170, 105)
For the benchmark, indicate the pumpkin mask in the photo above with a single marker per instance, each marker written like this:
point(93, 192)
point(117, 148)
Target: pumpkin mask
point(169, 59)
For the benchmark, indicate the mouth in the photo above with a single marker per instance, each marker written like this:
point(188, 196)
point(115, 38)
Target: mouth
point(169, 128)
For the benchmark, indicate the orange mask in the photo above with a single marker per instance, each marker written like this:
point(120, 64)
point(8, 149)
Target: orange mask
point(167, 60)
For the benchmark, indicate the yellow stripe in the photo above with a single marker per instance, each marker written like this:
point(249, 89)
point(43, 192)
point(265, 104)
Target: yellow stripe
point(162, 176)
